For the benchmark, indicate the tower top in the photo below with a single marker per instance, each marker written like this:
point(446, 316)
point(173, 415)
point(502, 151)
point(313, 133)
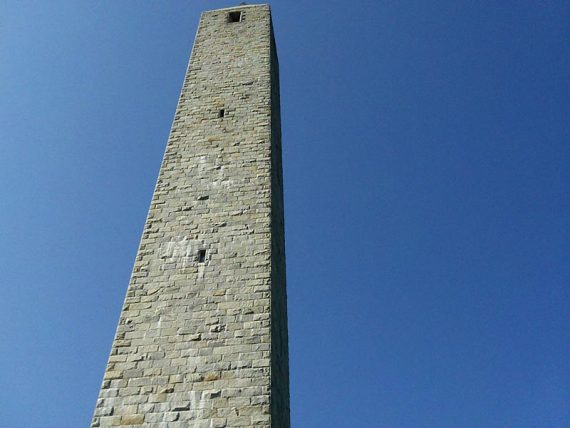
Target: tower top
point(241, 5)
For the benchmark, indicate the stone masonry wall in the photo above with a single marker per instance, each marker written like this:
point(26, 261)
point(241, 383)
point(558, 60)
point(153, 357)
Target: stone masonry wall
point(202, 336)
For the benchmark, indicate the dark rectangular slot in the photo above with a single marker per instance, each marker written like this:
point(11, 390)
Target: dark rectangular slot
point(234, 16)
point(201, 256)
point(221, 113)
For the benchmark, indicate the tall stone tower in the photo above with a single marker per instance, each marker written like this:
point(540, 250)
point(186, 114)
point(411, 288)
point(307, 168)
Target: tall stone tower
point(202, 336)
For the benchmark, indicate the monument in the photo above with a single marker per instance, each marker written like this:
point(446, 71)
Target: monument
point(202, 335)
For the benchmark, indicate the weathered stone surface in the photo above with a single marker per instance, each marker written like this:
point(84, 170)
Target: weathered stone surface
point(202, 337)
point(132, 420)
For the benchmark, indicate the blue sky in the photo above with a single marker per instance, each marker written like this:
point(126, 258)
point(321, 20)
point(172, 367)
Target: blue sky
point(426, 153)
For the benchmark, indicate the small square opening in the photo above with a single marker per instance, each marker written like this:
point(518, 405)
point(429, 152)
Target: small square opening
point(234, 16)
point(222, 113)
point(201, 256)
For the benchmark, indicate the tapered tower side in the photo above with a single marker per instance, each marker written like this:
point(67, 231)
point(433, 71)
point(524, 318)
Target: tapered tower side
point(280, 409)
point(202, 336)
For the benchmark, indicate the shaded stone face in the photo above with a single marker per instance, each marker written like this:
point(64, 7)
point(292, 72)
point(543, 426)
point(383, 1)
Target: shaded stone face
point(202, 337)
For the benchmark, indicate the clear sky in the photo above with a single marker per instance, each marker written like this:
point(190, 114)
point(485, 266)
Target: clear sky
point(426, 164)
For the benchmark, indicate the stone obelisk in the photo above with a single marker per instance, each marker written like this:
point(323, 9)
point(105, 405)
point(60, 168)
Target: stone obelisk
point(202, 335)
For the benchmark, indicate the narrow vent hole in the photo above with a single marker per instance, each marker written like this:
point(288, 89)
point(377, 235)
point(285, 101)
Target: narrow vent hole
point(234, 16)
point(201, 256)
point(222, 113)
